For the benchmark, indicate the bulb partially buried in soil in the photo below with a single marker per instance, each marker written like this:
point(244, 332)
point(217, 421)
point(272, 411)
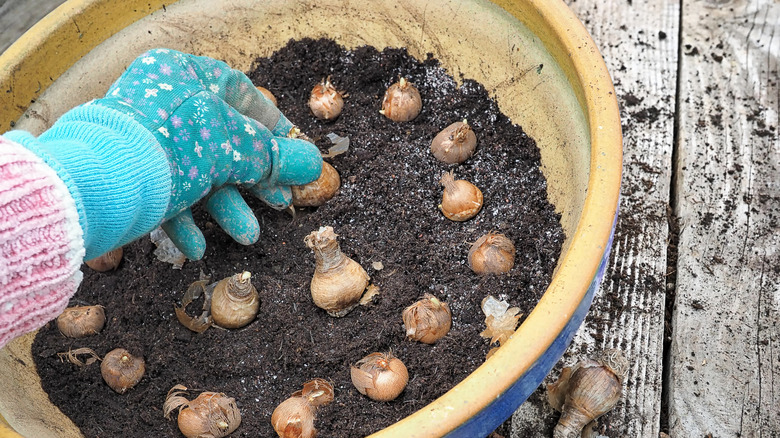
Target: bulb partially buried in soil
point(294, 417)
point(427, 320)
point(235, 301)
point(380, 376)
point(319, 191)
point(402, 102)
point(325, 101)
point(338, 281)
point(210, 415)
point(121, 370)
point(492, 254)
point(455, 143)
point(77, 322)
point(461, 199)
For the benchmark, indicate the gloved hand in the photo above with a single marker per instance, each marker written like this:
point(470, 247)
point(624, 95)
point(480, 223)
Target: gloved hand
point(173, 129)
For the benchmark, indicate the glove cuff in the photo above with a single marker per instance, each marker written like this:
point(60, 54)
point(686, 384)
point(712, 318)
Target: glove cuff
point(41, 247)
point(114, 168)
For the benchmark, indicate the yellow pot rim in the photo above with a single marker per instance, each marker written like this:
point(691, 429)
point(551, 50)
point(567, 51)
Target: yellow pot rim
point(56, 42)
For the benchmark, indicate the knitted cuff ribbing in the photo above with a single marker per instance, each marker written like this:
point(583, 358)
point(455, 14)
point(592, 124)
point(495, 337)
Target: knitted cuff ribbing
point(114, 168)
point(41, 244)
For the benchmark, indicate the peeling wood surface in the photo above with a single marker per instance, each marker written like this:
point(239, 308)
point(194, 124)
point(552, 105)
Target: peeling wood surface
point(724, 353)
point(725, 347)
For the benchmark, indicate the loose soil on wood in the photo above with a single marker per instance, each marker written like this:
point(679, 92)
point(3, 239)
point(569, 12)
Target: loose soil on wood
point(386, 211)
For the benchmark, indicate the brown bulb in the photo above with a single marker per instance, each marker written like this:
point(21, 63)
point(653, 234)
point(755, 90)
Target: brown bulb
point(325, 101)
point(294, 417)
point(107, 262)
point(210, 415)
point(461, 199)
point(338, 281)
point(235, 301)
point(492, 254)
point(380, 376)
point(455, 143)
point(77, 322)
point(270, 96)
point(319, 191)
point(586, 391)
point(427, 320)
point(121, 370)
point(402, 102)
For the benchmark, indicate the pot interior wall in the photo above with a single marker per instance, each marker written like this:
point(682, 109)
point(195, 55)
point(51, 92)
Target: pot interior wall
point(476, 39)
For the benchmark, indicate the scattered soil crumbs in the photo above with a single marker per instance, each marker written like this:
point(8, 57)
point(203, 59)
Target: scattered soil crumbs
point(386, 211)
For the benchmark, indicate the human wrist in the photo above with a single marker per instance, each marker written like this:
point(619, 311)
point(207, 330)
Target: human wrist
point(113, 167)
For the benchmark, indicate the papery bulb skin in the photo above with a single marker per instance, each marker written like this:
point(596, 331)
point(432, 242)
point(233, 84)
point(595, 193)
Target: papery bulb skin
point(325, 101)
point(317, 392)
point(380, 376)
point(211, 415)
point(427, 320)
point(235, 301)
point(461, 199)
point(121, 370)
point(319, 191)
point(455, 143)
point(588, 390)
point(294, 417)
point(77, 322)
point(402, 102)
point(492, 254)
point(338, 281)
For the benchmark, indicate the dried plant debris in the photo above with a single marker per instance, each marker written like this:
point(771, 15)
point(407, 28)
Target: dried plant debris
point(500, 319)
point(371, 291)
point(197, 324)
point(166, 250)
point(72, 356)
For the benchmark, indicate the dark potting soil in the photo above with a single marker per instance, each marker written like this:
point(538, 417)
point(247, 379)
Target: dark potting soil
point(386, 211)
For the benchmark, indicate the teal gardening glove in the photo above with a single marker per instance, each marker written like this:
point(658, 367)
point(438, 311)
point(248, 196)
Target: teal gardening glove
point(173, 129)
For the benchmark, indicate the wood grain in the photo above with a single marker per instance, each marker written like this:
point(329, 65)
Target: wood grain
point(725, 320)
point(639, 43)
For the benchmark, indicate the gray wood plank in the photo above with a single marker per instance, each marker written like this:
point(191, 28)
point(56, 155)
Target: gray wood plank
point(725, 319)
point(638, 40)
point(17, 16)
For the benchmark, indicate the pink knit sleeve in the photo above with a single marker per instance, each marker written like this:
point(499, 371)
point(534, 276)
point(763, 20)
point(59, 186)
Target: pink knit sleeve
point(41, 244)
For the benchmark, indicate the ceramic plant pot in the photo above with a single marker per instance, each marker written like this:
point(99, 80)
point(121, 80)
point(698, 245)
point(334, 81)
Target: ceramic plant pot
point(533, 56)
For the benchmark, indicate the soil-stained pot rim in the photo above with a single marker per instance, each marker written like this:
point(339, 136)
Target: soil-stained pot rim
point(490, 394)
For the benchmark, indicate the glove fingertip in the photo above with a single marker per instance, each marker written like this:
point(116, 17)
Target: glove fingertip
point(276, 197)
point(300, 162)
point(183, 232)
point(232, 213)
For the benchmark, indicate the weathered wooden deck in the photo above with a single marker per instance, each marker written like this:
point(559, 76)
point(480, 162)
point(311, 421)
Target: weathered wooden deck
point(698, 239)
point(699, 232)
